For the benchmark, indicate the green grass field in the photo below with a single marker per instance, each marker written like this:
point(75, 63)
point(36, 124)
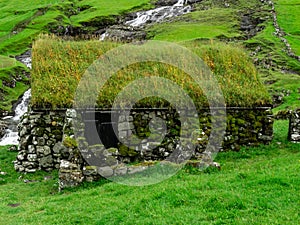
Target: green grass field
point(254, 186)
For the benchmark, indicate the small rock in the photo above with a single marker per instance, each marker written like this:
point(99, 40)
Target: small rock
point(48, 177)
point(30, 181)
point(215, 164)
point(14, 205)
point(105, 171)
point(13, 148)
point(121, 171)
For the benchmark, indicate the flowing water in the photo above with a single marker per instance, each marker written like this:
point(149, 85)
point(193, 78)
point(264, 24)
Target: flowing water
point(156, 15)
point(11, 137)
point(159, 14)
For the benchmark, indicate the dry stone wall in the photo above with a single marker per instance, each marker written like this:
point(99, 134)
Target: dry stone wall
point(39, 134)
point(47, 142)
point(294, 126)
point(245, 127)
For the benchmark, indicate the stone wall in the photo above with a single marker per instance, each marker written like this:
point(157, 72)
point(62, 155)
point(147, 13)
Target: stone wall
point(245, 127)
point(39, 133)
point(294, 126)
point(47, 142)
point(280, 33)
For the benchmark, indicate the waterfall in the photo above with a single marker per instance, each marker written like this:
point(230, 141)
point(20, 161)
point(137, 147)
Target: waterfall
point(155, 15)
point(159, 14)
point(22, 107)
point(11, 137)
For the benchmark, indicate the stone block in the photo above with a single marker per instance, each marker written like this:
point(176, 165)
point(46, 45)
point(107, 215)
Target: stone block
point(121, 171)
point(31, 149)
point(41, 141)
point(105, 171)
point(58, 147)
point(71, 113)
point(294, 126)
point(32, 157)
point(46, 161)
point(136, 169)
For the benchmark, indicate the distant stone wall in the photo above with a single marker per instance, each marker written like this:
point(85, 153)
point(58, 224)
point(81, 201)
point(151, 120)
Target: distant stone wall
point(294, 126)
point(47, 142)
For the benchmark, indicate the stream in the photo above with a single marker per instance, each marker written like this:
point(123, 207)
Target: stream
point(11, 136)
point(159, 14)
point(133, 29)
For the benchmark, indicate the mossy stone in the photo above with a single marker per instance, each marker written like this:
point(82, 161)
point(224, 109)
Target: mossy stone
point(240, 122)
point(70, 142)
point(56, 132)
point(125, 151)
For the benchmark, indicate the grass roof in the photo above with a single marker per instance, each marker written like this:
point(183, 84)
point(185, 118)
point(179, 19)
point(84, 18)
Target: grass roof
point(59, 65)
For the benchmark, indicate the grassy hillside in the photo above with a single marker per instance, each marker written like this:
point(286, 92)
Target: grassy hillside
point(211, 19)
point(203, 24)
point(254, 186)
point(281, 75)
point(20, 23)
point(13, 81)
point(289, 19)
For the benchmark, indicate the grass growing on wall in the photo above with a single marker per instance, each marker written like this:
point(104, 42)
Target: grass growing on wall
point(58, 66)
point(254, 186)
